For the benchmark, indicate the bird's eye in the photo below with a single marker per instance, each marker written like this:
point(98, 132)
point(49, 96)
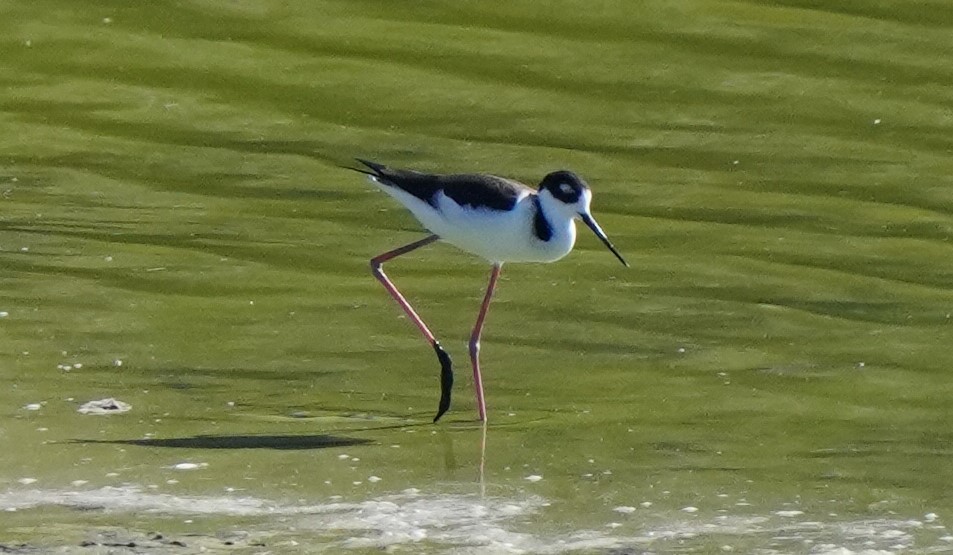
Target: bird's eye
point(565, 188)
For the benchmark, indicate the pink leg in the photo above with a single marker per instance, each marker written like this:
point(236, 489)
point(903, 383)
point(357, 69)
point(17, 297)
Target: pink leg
point(378, 271)
point(446, 371)
point(475, 341)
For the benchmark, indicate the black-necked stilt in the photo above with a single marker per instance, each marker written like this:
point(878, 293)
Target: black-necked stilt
point(498, 219)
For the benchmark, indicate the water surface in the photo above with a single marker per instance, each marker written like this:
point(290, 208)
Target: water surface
point(176, 232)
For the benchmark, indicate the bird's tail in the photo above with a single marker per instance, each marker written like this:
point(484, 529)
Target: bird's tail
point(376, 170)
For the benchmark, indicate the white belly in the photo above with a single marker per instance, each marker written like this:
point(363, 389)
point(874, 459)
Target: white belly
point(497, 236)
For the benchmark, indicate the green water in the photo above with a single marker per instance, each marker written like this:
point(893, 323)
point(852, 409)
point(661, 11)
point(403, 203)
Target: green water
point(174, 220)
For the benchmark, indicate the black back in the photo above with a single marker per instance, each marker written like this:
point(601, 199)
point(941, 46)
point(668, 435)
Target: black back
point(476, 190)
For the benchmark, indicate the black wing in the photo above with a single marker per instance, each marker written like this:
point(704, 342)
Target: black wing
point(476, 190)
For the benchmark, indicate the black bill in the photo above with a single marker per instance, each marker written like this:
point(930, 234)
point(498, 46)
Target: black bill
point(587, 219)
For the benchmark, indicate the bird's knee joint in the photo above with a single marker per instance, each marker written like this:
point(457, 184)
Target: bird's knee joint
point(474, 347)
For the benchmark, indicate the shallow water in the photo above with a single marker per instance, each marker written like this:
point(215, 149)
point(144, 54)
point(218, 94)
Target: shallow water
point(772, 375)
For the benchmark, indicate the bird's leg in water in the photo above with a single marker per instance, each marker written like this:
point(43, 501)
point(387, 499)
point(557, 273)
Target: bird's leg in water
point(475, 340)
point(446, 370)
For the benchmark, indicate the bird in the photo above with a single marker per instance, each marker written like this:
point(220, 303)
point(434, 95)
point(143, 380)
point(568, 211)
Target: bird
point(496, 218)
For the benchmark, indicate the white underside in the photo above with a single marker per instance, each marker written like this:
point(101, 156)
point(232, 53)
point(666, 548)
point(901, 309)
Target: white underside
point(498, 236)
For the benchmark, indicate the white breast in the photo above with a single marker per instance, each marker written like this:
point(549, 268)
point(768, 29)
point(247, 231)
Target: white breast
point(498, 236)
point(501, 236)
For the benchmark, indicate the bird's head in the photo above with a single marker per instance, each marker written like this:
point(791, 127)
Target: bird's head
point(569, 195)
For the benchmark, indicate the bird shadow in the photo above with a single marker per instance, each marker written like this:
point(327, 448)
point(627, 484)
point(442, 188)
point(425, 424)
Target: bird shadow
point(255, 441)
point(278, 442)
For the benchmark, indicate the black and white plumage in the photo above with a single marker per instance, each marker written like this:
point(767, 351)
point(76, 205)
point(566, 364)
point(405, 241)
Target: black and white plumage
point(493, 217)
point(498, 219)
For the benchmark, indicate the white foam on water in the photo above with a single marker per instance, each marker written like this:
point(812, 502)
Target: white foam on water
point(129, 498)
point(470, 523)
point(464, 521)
